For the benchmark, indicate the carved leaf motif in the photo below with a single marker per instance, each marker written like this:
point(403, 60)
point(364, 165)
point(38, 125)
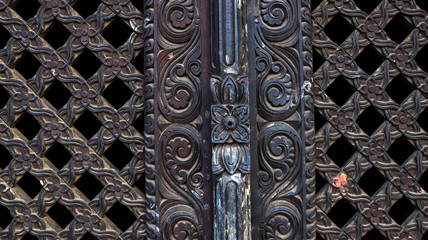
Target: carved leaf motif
point(230, 157)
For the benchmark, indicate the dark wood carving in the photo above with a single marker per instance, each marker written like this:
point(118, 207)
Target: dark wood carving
point(182, 115)
point(281, 33)
point(370, 96)
point(34, 183)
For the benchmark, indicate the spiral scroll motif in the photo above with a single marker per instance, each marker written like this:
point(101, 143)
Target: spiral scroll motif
point(179, 222)
point(279, 146)
point(279, 18)
point(279, 91)
point(283, 221)
point(180, 151)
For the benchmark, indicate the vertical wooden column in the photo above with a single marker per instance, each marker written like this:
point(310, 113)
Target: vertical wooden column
point(230, 121)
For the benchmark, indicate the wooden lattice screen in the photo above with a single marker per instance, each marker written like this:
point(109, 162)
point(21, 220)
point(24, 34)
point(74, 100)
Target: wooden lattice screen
point(86, 85)
point(371, 117)
point(73, 120)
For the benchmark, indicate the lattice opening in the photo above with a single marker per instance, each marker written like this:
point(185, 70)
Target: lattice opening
point(5, 218)
point(5, 157)
point(139, 123)
point(4, 97)
point(319, 120)
point(401, 210)
point(399, 88)
point(320, 181)
point(138, 62)
point(121, 216)
point(373, 235)
point(118, 154)
point(30, 184)
point(139, 5)
point(60, 215)
point(367, 6)
point(340, 151)
point(315, 3)
point(141, 183)
point(369, 59)
point(369, 120)
point(87, 124)
point(341, 213)
point(425, 236)
point(117, 93)
point(89, 190)
point(28, 125)
point(423, 181)
point(86, 64)
point(340, 90)
point(317, 60)
point(26, 8)
point(29, 236)
point(56, 35)
point(400, 150)
point(27, 65)
point(423, 119)
point(371, 181)
point(57, 94)
point(4, 36)
point(422, 58)
point(422, 4)
point(401, 23)
point(338, 22)
point(110, 33)
point(58, 155)
point(86, 8)
point(88, 236)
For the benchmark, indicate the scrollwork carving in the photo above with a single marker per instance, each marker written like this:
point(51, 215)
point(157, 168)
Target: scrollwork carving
point(279, 147)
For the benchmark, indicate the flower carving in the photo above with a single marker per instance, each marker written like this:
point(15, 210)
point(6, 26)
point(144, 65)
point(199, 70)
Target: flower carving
point(55, 6)
point(374, 152)
point(404, 181)
point(403, 120)
point(401, 3)
point(180, 18)
point(84, 32)
point(86, 219)
point(117, 4)
point(118, 189)
point(403, 236)
point(25, 35)
point(54, 64)
point(115, 62)
point(339, 3)
point(371, 28)
point(371, 89)
point(24, 98)
point(375, 213)
point(400, 58)
point(26, 218)
point(230, 123)
point(85, 158)
point(85, 94)
point(116, 125)
point(55, 187)
point(423, 25)
point(343, 121)
point(341, 59)
point(25, 158)
point(55, 127)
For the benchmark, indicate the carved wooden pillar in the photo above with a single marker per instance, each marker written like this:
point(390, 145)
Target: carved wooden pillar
point(230, 117)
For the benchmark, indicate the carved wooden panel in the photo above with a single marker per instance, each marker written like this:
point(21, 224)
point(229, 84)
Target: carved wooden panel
point(76, 120)
point(371, 136)
point(282, 130)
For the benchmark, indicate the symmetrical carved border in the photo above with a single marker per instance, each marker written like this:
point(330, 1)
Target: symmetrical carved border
point(283, 189)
